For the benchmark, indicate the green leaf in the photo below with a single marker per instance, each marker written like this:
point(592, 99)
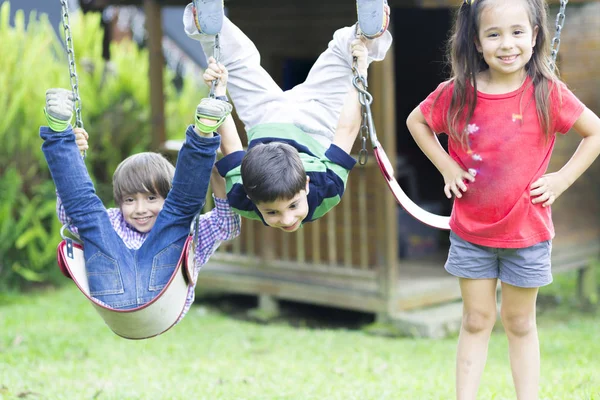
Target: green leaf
point(26, 273)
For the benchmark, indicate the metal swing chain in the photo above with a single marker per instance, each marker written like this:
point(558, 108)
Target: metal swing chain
point(216, 55)
point(72, 67)
point(365, 98)
point(75, 88)
point(560, 21)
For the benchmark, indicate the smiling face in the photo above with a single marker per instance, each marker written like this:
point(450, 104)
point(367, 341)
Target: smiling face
point(286, 215)
point(140, 210)
point(506, 38)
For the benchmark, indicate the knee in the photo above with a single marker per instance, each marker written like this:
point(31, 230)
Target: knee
point(475, 321)
point(518, 324)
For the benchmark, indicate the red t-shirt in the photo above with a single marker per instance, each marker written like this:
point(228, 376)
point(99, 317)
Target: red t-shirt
point(508, 151)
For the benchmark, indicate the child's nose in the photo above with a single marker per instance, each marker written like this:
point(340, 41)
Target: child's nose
point(287, 219)
point(507, 42)
point(140, 207)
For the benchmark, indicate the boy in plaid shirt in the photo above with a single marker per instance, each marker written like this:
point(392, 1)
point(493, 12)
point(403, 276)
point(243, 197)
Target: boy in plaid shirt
point(131, 251)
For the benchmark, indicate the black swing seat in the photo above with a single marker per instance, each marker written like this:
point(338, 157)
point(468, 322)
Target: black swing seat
point(148, 320)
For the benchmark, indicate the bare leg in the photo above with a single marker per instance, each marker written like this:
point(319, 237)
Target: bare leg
point(518, 318)
point(479, 317)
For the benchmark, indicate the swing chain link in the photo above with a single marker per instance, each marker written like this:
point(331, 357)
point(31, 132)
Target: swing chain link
point(560, 21)
point(72, 67)
point(365, 98)
point(217, 56)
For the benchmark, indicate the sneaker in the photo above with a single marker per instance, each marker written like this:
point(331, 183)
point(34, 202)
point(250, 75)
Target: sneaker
point(214, 110)
point(59, 108)
point(208, 16)
point(373, 17)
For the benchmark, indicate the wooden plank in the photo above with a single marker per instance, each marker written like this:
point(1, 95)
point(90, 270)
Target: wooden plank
point(347, 232)
point(249, 236)
point(316, 242)
point(329, 296)
point(285, 245)
point(363, 215)
point(331, 237)
point(385, 118)
point(300, 247)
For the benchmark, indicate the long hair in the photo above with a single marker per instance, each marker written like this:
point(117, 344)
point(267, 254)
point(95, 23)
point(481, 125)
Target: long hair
point(466, 63)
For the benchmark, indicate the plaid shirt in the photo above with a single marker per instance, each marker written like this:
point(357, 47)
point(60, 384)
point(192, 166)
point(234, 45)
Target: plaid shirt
point(215, 226)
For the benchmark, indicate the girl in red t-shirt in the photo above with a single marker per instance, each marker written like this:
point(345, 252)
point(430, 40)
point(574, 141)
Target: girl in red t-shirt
point(501, 110)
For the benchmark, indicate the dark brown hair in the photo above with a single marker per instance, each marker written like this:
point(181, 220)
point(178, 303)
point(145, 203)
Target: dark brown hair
point(272, 171)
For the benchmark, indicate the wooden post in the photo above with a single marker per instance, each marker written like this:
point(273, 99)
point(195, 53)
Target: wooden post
point(384, 107)
point(157, 97)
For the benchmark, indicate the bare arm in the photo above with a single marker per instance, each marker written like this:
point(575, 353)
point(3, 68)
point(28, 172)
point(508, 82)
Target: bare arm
point(349, 122)
point(351, 115)
point(217, 183)
point(454, 175)
point(230, 140)
point(550, 186)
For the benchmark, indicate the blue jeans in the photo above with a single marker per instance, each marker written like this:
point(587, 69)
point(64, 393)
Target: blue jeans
point(120, 277)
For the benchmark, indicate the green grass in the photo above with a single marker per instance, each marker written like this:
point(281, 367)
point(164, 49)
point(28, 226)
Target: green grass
point(53, 345)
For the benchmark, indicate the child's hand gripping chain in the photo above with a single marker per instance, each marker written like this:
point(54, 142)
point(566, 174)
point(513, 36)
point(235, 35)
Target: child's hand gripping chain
point(360, 53)
point(81, 139)
point(212, 112)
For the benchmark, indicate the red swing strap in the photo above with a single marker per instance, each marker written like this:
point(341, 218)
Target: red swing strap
point(367, 130)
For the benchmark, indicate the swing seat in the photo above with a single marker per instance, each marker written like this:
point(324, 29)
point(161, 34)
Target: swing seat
point(148, 320)
point(433, 220)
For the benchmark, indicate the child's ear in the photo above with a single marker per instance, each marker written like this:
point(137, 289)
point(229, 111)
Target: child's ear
point(307, 184)
point(536, 29)
point(478, 45)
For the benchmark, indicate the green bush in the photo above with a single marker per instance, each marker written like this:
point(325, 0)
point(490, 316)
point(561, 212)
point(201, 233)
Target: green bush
point(115, 112)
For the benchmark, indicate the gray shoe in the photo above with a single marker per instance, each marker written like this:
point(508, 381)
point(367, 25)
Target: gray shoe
point(213, 109)
point(208, 16)
point(373, 17)
point(60, 104)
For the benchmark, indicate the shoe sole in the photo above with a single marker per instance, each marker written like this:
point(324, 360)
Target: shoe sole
point(212, 108)
point(371, 16)
point(208, 16)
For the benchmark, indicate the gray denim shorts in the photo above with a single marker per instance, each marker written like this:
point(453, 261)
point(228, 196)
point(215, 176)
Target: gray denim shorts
point(528, 267)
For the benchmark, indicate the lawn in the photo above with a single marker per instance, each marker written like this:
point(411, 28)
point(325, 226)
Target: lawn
point(53, 345)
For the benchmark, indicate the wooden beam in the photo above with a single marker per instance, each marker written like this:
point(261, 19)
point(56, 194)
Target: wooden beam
point(384, 110)
point(157, 96)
